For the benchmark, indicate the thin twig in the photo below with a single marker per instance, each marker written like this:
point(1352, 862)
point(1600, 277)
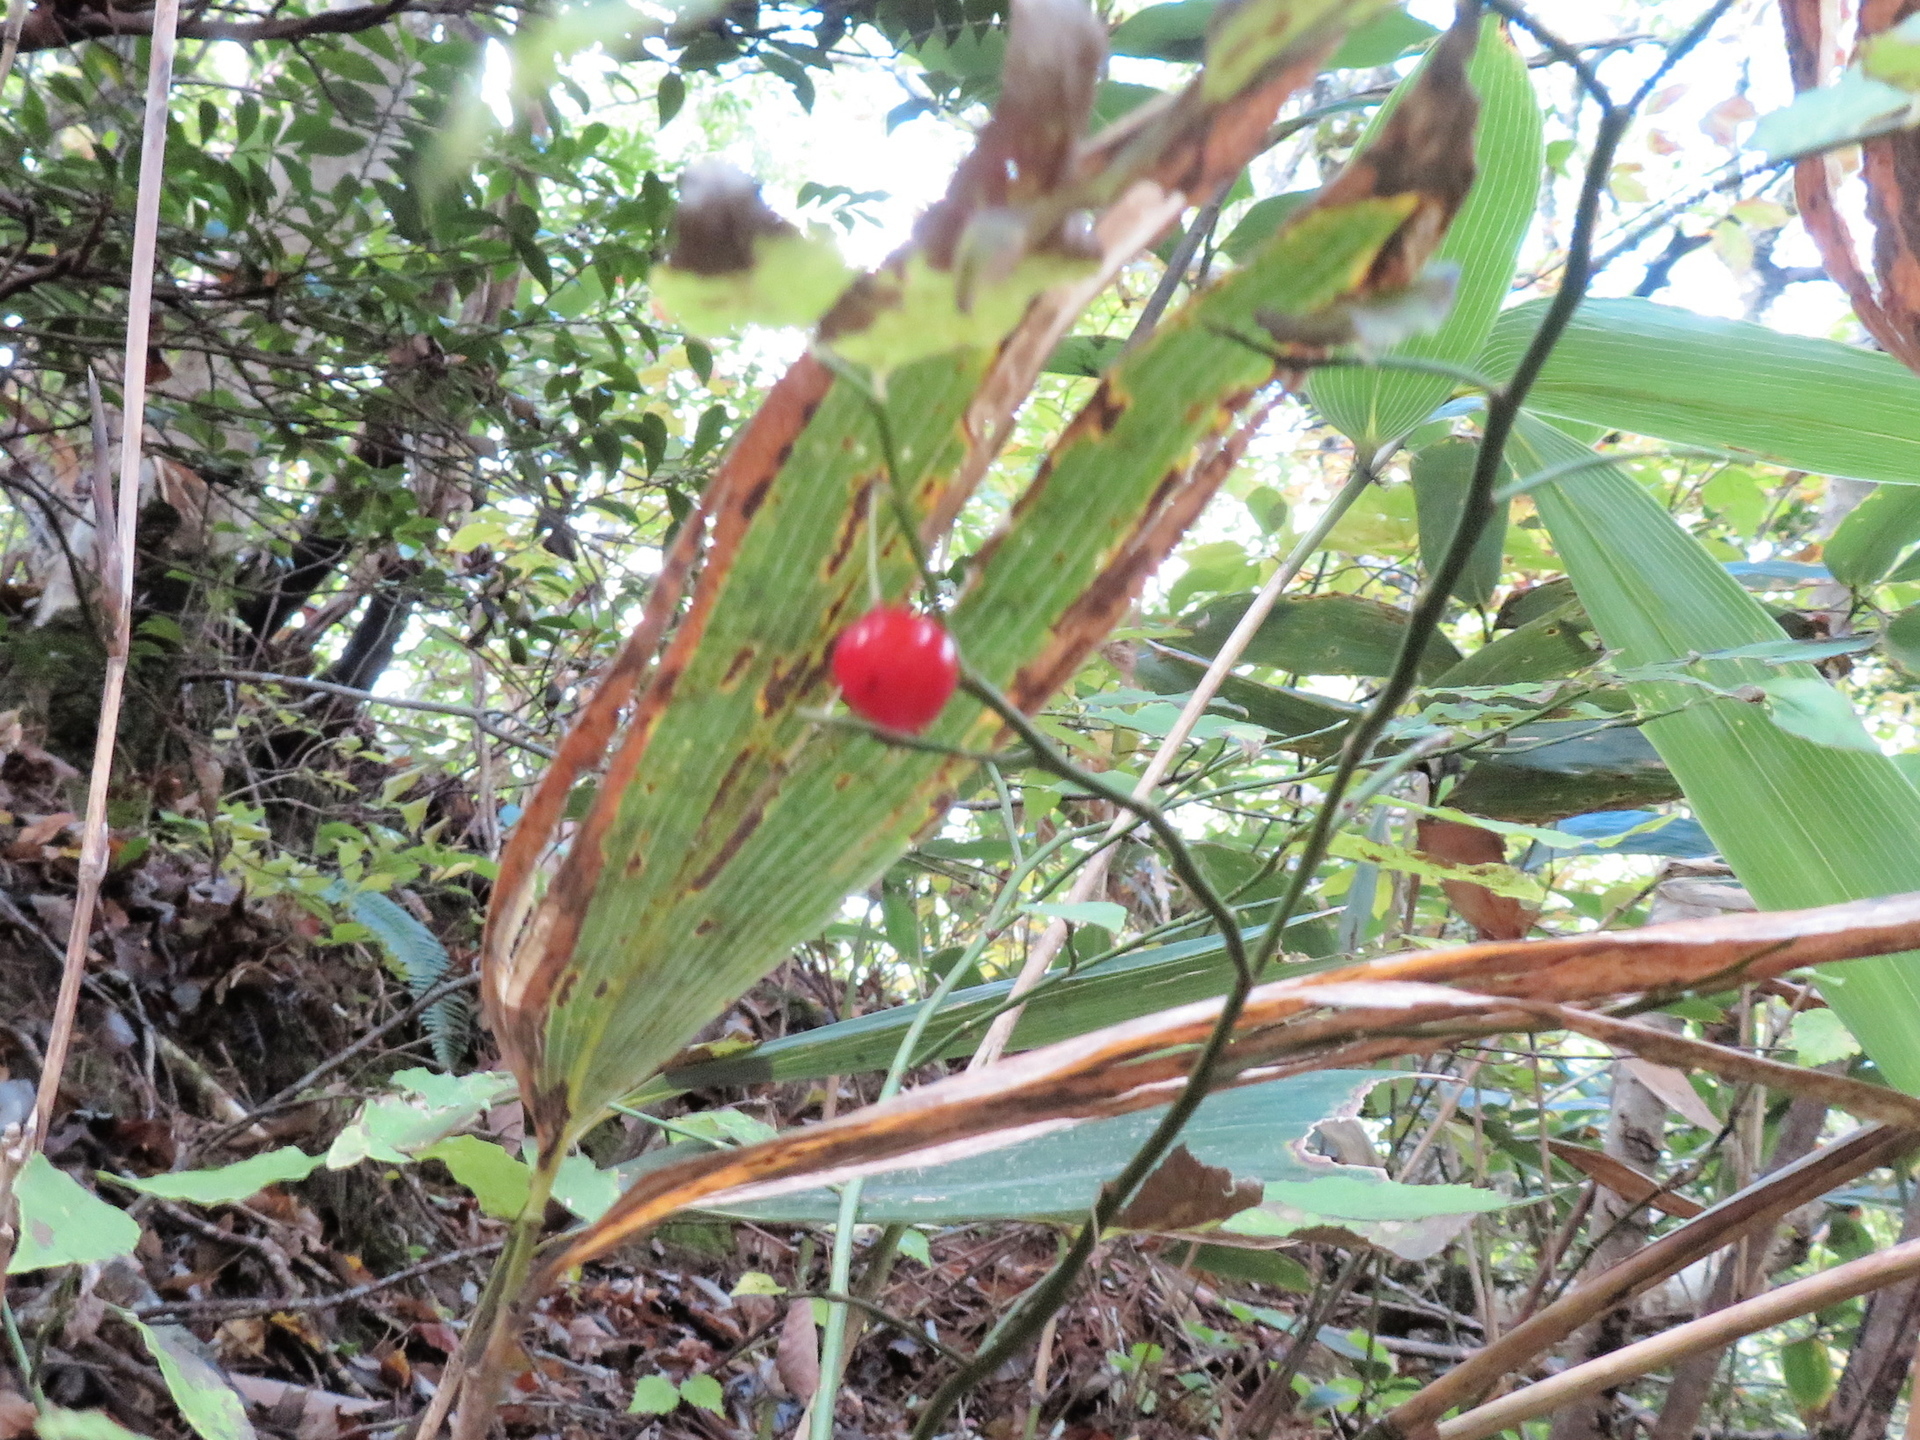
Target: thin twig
point(231, 1309)
point(1178, 263)
point(367, 697)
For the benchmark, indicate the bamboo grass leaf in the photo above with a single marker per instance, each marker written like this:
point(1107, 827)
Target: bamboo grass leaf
point(701, 863)
point(1801, 823)
point(1375, 408)
point(1255, 1135)
point(1723, 385)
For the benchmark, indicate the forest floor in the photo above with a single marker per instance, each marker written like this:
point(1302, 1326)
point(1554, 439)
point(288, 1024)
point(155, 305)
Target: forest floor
point(332, 1304)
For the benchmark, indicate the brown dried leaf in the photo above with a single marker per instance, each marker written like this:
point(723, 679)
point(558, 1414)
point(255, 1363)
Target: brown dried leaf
point(798, 1358)
point(1673, 1087)
point(1890, 309)
point(306, 1414)
point(16, 1415)
point(1183, 1194)
point(1493, 917)
point(1633, 1186)
point(721, 214)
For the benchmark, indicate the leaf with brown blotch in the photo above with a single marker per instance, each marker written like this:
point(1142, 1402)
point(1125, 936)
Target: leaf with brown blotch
point(699, 864)
point(1425, 149)
point(1183, 1194)
point(1493, 917)
point(1404, 1004)
point(1629, 1184)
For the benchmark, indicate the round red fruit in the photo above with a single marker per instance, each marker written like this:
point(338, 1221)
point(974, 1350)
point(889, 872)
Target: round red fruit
point(896, 668)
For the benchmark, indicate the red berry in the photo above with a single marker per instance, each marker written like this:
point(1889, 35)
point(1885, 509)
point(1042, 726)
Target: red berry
point(896, 668)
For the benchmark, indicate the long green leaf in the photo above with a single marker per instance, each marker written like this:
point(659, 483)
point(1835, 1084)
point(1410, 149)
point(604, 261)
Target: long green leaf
point(1255, 1134)
point(1723, 385)
point(1377, 407)
point(1869, 540)
point(1556, 768)
point(1122, 989)
point(1801, 823)
point(1316, 635)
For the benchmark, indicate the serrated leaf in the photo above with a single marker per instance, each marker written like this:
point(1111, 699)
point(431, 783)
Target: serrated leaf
point(653, 1395)
point(703, 1392)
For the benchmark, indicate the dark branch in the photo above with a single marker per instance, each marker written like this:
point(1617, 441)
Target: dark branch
point(48, 29)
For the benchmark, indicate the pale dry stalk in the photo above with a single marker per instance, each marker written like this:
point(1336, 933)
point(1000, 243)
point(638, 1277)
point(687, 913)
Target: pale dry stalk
point(117, 577)
point(1802, 1297)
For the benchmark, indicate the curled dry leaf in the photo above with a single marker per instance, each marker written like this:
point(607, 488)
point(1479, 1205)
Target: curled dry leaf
point(1631, 1185)
point(1888, 302)
point(1493, 917)
point(304, 1413)
point(1425, 149)
point(798, 1358)
point(1406, 1004)
point(1676, 1090)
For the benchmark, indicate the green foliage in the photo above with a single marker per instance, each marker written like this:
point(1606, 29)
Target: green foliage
point(1802, 822)
point(1723, 385)
point(423, 963)
point(498, 1181)
point(227, 1184)
point(1377, 408)
point(205, 1399)
point(1253, 1133)
point(62, 1223)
